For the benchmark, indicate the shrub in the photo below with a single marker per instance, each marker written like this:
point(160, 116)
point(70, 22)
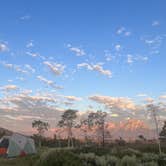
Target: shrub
point(129, 161)
point(88, 158)
point(60, 158)
point(101, 161)
point(152, 163)
point(148, 157)
point(112, 160)
point(162, 160)
point(131, 152)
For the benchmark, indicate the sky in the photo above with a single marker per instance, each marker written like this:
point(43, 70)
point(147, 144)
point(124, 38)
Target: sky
point(83, 55)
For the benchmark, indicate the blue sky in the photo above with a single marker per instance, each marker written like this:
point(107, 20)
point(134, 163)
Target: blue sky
point(106, 48)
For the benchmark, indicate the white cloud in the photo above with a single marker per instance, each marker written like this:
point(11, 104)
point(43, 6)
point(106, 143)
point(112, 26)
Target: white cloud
point(76, 50)
point(142, 95)
point(95, 67)
point(149, 100)
point(25, 17)
point(115, 102)
point(127, 33)
point(33, 54)
point(3, 47)
point(49, 82)
point(123, 31)
point(30, 68)
point(118, 47)
point(9, 87)
point(163, 97)
point(155, 23)
point(120, 30)
point(73, 98)
point(24, 69)
point(56, 68)
point(30, 44)
point(14, 67)
point(129, 59)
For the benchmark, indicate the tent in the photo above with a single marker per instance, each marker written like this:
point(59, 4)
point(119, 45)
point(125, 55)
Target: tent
point(16, 145)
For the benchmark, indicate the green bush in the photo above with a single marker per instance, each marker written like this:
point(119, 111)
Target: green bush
point(129, 161)
point(148, 157)
point(152, 163)
point(59, 158)
point(101, 161)
point(162, 160)
point(88, 159)
point(112, 160)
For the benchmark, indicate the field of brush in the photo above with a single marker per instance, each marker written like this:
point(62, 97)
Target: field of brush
point(90, 156)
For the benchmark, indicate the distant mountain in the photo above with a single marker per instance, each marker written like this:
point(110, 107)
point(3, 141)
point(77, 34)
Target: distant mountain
point(127, 129)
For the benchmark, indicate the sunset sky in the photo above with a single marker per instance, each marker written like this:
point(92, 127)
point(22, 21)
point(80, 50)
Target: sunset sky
point(80, 54)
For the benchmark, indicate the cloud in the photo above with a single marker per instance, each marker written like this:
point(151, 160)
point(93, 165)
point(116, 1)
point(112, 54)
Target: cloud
point(120, 30)
point(95, 67)
point(17, 111)
point(118, 47)
point(73, 98)
point(129, 59)
point(155, 23)
point(49, 82)
point(14, 67)
point(149, 100)
point(30, 44)
point(142, 95)
point(76, 50)
point(25, 17)
point(123, 31)
point(115, 102)
point(9, 87)
point(56, 68)
point(35, 54)
point(30, 68)
point(127, 33)
point(24, 69)
point(3, 47)
point(162, 97)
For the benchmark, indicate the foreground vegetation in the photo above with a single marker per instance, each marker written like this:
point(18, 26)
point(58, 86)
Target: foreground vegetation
point(88, 156)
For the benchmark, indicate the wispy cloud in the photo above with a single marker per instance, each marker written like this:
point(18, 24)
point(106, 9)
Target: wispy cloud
point(115, 102)
point(117, 47)
point(9, 87)
point(95, 67)
point(56, 68)
point(25, 17)
point(30, 44)
point(3, 47)
point(73, 98)
point(24, 69)
point(49, 82)
point(78, 51)
point(123, 31)
point(133, 58)
point(155, 23)
point(30, 68)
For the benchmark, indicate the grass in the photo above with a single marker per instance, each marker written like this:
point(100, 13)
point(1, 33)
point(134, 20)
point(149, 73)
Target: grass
point(87, 157)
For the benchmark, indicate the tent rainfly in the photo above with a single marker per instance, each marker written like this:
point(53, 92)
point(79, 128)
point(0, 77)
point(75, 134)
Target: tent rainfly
point(16, 145)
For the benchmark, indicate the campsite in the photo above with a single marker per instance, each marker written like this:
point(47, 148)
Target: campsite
point(82, 82)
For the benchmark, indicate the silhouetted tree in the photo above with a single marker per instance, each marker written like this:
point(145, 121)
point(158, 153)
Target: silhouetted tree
point(98, 118)
point(68, 121)
point(153, 108)
point(41, 128)
point(163, 132)
point(141, 137)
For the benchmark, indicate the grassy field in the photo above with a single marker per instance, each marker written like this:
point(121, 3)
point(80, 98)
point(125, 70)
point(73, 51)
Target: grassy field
point(91, 156)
